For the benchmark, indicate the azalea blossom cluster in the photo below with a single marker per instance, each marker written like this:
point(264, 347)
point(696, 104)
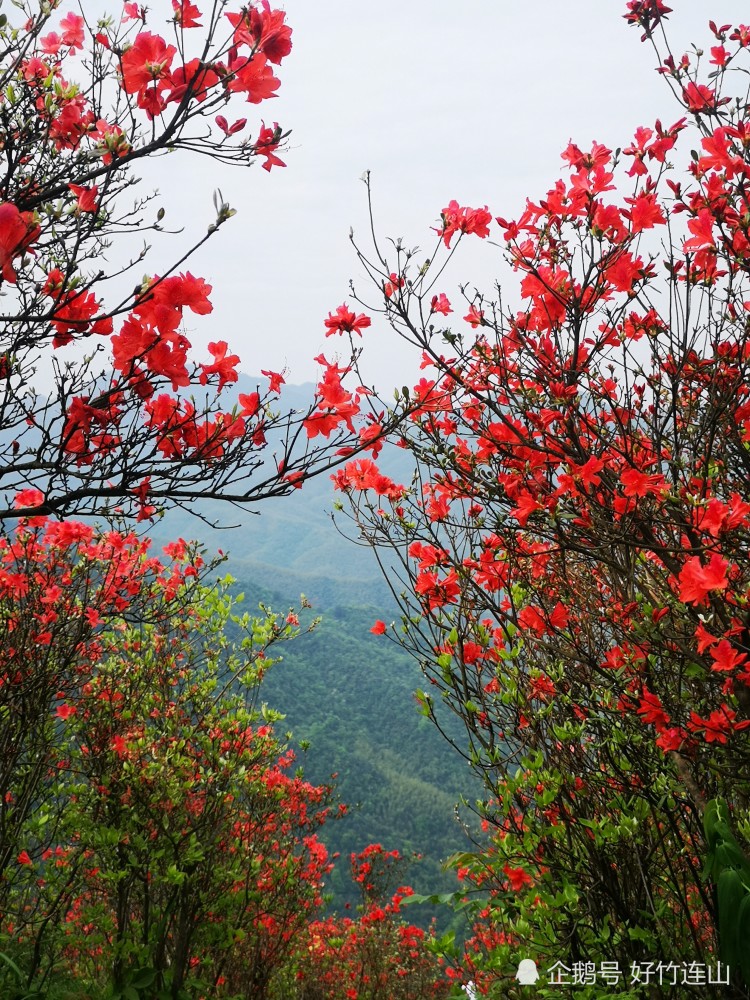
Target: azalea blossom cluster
point(61, 583)
point(84, 103)
point(575, 551)
point(586, 445)
point(114, 682)
point(154, 833)
point(376, 952)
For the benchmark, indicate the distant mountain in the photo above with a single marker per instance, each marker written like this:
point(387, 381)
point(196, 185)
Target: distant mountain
point(292, 542)
point(293, 532)
point(345, 691)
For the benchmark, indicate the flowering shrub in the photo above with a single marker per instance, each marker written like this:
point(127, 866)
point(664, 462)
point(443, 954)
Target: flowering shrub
point(575, 551)
point(154, 839)
point(170, 847)
point(61, 585)
point(137, 422)
point(377, 954)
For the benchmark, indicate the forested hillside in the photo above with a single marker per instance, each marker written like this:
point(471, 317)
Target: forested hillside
point(352, 700)
point(347, 695)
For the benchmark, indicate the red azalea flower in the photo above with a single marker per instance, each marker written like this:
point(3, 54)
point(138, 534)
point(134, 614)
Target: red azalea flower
point(266, 144)
point(440, 304)
point(345, 321)
point(250, 403)
point(17, 232)
point(224, 365)
point(518, 877)
point(646, 13)
point(186, 14)
point(699, 97)
point(276, 380)
point(72, 26)
point(147, 60)
point(458, 219)
point(87, 197)
point(697, 580)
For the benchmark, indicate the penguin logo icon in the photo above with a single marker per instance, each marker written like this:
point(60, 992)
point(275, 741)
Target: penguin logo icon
point(527, 973)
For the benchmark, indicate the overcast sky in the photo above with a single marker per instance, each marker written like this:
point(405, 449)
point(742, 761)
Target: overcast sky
point(473, 101)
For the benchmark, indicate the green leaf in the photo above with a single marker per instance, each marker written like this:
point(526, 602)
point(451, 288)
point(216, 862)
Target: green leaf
point(11, 965)
point(142, 978)
point(640, 934)
point(743, 938)
point(175, 876)
point(730, 894)
point(424, 702)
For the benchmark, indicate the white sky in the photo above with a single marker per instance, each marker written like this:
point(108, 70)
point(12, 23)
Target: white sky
point(473, 101)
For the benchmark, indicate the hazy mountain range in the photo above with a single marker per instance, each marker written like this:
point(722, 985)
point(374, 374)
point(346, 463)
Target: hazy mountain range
point(345, 691)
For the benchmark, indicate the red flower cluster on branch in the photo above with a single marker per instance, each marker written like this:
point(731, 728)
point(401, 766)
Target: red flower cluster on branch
point(573, 555)
point(82, 110)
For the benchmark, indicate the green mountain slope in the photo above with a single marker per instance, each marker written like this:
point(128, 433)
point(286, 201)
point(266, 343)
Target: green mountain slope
point(349, 695)
point(346, 692)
